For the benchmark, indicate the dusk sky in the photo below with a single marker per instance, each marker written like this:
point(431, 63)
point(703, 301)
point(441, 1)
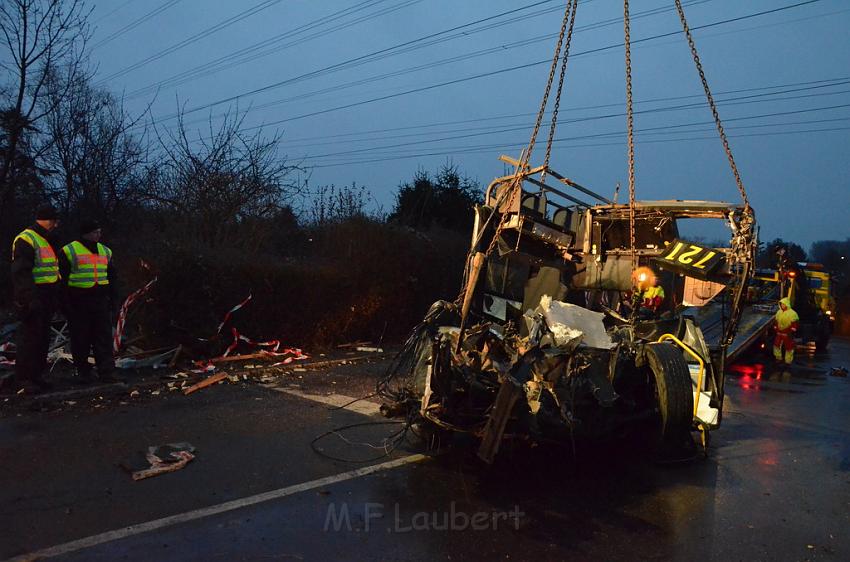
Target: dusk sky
point(371, 91)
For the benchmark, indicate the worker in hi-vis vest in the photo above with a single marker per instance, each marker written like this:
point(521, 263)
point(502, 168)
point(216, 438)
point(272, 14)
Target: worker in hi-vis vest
point(652, 297)
point(787, 321)
point(35, 282)
point(89, 280)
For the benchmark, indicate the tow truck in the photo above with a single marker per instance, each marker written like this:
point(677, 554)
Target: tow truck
point(820, 284)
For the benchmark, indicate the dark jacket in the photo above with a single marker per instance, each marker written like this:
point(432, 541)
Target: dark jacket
point(23, 260)
point(98, 291)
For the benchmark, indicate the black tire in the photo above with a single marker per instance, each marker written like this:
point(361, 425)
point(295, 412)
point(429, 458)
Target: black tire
point(674, 394)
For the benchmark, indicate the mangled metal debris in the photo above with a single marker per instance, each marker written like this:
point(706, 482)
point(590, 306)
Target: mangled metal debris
point(552, 338)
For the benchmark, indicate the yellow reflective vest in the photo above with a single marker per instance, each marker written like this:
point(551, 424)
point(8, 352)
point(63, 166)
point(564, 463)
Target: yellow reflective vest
point(652, 292)
point(45, 270)
point(786, 318)
point(87, 269)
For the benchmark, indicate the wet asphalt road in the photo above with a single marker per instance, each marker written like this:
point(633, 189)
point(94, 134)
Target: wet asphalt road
point(776, 484)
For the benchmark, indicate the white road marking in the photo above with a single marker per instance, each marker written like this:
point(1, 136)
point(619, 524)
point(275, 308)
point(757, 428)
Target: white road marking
point(338, 400)
point(140, 528)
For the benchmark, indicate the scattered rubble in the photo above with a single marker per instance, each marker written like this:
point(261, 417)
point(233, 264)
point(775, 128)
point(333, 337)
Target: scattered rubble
point(160, 460)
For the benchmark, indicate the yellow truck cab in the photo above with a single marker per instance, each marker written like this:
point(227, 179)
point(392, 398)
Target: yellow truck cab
point(821, 287)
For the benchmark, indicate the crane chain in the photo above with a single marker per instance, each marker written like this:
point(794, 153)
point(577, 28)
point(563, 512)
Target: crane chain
point(713, 106)
point(517, 183)
point(551, 79)
point(571, 8)
point(630, 133)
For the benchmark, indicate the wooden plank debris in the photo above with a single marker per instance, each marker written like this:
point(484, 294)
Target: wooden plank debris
point(209, 381)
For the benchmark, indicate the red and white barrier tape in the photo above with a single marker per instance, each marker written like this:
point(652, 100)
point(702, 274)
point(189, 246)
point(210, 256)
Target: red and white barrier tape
point(273, 346)
point(232, 310)
point(122, 314)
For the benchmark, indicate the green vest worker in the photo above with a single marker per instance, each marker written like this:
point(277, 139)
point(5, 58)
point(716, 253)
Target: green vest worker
point(652, 297)
point(786, 323)
point(89, 278)
point(35, 281)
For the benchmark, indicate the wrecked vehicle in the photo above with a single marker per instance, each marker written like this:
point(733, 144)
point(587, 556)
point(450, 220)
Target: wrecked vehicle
point(579, 318)
point(550, 341)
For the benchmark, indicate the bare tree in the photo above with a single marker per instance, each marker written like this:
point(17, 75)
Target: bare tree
point(330, 204)
point(222, 182)
point(89, 142)
point(38, 36)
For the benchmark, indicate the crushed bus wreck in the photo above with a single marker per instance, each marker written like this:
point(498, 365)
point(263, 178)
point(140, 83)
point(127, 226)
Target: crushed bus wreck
point(581, 317)
point(551, 340)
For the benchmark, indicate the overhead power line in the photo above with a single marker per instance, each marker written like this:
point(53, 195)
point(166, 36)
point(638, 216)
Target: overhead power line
point(136, 23)
point(461, 30)
point(435, 64)
point(347, 63)
point(639, 132)
point(466, 134)
point(194, 38)
point(273, 44)
point(466, 78)
point(419, 130)
point(112, 11)
point(517, 67)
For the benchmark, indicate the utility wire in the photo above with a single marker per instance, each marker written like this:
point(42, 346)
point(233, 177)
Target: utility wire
point(662, 127)
point(344, 64)
point(463, 79)
point(461, 150)
point(509, 69)
point(421, 141)
point(194, 38)
point(500, 48)
point(506, 146)
point(406, 47)
point(419, 133)
point(402, 48)
point(114, 10)
point(136, 23)
point(301, 140)
point(337, 89)
point(254, 52)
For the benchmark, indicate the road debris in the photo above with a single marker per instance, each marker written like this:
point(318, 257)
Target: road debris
point(369, 349)
point(209, 381)
point(155, 361)
point(122, 314)
point(160, 460)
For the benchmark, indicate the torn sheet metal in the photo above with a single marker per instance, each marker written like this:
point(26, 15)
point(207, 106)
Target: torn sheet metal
point(567, 320)
point(155, 361)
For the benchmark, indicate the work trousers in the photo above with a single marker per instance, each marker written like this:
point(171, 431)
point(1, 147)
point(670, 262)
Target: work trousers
point(787, 341)
point(90, 320)
point(33, 337)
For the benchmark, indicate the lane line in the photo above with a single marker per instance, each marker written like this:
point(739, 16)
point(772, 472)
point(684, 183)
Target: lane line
point(337, 400)
point(196, 514)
